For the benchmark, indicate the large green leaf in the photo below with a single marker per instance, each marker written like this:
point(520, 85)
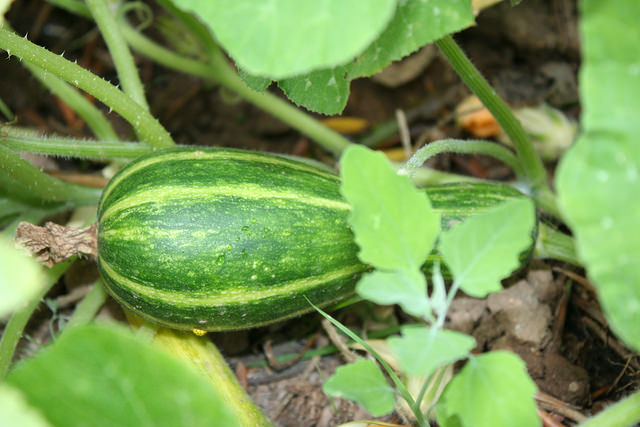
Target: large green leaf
point(362, 382)
point(284, 38)
point(394, 223)
point(100, 376)
point(598, 180)
point(415, 24)
point(484, 249)
point(492, 390)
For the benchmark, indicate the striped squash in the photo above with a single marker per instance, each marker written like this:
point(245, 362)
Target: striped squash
point(223, 239)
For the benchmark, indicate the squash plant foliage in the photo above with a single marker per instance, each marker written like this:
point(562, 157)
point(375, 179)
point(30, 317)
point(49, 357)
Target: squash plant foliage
point(313, 50)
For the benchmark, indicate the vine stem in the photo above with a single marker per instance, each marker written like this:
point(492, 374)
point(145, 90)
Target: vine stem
point(87, 309)
point(40, 185)
point(150, 129)
point(78, 148)
point(532, 166)
point(221, 72)
point(119, 50)
point(466, 147)
point(91, 115)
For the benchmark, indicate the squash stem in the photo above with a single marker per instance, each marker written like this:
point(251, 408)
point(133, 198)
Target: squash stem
point(554, 244)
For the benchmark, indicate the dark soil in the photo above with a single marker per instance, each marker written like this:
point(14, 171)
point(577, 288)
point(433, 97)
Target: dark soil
point(548, 314)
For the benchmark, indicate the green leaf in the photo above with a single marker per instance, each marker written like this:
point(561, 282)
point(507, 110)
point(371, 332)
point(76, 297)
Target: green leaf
point(97, 375)
point(394, 223)
point(259, 84)
point(362, 382)
point(492, 390)
point(415, 24)
point(598, 180)
point(16, 411)
point(324, 91)
point(406, 288)
point(20, 278)
point(283, 38)
point(484, 249)
point(421, 350)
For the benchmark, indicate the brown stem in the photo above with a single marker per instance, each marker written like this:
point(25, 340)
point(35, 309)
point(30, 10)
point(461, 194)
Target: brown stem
point(55, 243)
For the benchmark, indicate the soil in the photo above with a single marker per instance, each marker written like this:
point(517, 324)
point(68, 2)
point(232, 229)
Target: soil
point(548, 313)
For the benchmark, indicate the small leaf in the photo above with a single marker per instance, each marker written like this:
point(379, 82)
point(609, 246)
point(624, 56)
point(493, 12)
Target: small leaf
point(362, 382)
point(104, 375)
point(323, 91)
point(394, 223)
point(484, 249)
point(421, 350)
point(20, 278)
point(406, 288)
point(16, 411)
point(492, 390)
point(284, 38)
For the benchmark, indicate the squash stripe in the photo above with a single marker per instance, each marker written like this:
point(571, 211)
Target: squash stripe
point(244, 191)
point(228, 297)
point(221, 155)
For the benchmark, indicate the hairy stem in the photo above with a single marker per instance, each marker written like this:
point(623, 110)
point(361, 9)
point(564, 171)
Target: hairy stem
point(533, 169)
point(92, 116)
point(119, 50)
point(26, 177)
point(71, 147)
point(150, 129)
point(221, 72)
point(467, 147)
